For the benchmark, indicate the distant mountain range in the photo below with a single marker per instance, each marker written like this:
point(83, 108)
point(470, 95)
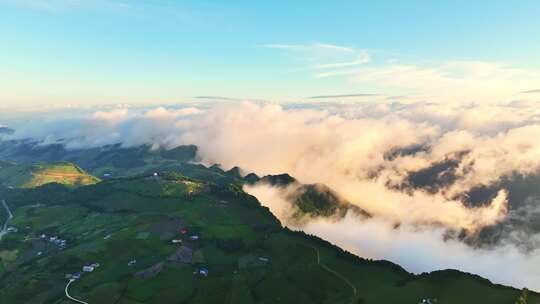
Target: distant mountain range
point(6, 130)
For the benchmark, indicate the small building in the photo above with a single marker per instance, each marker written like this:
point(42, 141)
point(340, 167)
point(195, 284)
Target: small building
point(153, 177)
point(53, 238)
point(76, 276)
point(132, 262)
point(95, 265)
point(88, 268)
point(194, 237)
point(183, 231)
point(176, 241)
point(263, 259)
point(43, 236)
point(203, 271)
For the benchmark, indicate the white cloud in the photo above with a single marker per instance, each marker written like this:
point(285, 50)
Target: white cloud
point(417, 248)
point(318, 147)
point(425, 249)
point(131, 128)
point(457, 81)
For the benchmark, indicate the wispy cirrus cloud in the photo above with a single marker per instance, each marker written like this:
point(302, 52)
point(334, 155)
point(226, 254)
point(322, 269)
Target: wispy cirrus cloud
point(311, 48)
point(457, 81)
point(343, 96)
point(361, 59)
point(327, 59)
point(224, 98)
point(443, 81)
point(537, 91)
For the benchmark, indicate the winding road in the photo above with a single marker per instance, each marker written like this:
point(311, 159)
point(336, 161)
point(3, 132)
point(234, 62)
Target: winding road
point(70, 297)
point(10, 215)
point(4, 231)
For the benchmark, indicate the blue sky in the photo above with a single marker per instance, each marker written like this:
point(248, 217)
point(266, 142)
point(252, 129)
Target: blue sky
point(108, 51)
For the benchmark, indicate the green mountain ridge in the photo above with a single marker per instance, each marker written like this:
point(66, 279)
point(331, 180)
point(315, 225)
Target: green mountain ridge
point(249, 256)
point(137, 211)
point(310, 199)
point(112, 160)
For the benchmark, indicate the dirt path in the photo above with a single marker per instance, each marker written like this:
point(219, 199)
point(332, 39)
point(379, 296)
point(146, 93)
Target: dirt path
point(10, 215)
point(335, 273)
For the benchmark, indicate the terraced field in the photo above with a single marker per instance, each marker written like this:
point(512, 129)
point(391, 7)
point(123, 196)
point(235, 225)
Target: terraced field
point(34, 175)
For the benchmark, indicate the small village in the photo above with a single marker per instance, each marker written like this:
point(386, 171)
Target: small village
point(61, 243)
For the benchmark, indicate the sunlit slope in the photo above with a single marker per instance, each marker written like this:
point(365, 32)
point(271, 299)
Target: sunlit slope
point(34, 175)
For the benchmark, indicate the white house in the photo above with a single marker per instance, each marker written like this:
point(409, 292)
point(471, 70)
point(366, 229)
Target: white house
point(88, 268)
point(203, 271)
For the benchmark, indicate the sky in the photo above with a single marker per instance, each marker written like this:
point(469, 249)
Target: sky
point(80, 53)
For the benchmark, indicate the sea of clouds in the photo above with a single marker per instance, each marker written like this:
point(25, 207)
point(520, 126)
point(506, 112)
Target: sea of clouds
point(346, 146)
